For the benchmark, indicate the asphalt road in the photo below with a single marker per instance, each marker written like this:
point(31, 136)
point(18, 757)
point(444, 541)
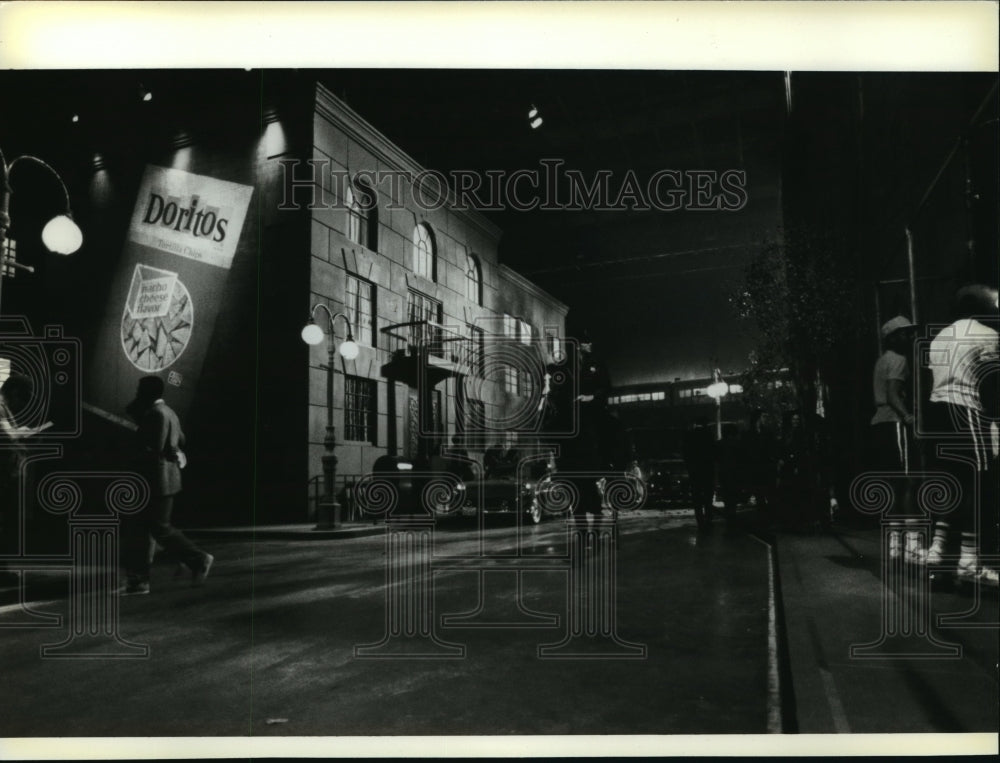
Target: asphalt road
point(267, 647)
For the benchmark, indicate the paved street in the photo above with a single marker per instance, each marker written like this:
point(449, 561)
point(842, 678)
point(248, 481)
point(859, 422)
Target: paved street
point(267, 647)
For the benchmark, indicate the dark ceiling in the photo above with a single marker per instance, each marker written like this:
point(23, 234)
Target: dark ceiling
point(616, 121)
point(652, 287)
point(670, 270)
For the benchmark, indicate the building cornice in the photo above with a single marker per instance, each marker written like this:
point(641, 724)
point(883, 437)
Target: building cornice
point(358, 129)
point(530, 286)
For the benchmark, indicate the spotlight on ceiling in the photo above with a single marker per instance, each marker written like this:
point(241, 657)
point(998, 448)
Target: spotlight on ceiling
point(533, 118)
point(76, 118)
point(145, 93)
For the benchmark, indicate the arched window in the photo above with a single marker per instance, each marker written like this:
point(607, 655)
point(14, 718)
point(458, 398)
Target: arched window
point(424, 254)
point(362, 215)
point(473, 280)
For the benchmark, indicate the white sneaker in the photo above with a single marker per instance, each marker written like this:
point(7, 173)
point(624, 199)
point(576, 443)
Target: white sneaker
point(977, 574)
point(933, 556)
point(895, 546)
point(914, 553)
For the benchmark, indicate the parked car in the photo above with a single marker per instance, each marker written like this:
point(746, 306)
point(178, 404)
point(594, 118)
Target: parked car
point(506, 486)
point(667, 482)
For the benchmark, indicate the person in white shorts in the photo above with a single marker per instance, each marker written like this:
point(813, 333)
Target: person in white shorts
point(964, 359)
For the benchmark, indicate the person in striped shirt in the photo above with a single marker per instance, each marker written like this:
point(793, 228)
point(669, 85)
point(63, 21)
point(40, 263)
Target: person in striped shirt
point(964, 359)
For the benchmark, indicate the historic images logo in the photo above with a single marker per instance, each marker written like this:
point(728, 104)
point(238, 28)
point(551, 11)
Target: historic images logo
point(157, 320)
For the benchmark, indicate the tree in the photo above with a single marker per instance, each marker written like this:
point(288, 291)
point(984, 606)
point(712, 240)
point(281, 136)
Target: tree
point(801, 293)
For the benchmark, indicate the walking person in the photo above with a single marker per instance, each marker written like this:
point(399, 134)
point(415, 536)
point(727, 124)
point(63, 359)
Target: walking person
point(699, 458)
point(584, 453)
point(892, 444)
point(760, 452)
point(796, 475)
point(159, 458)
point(728, 459)
point(964, 360)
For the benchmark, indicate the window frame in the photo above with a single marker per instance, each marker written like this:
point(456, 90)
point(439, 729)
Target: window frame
point(368, 425)
point(422, 234)
point(419, 334)
point(511, 380)
point(362, 222)
point(353, 314)
point(473, 279)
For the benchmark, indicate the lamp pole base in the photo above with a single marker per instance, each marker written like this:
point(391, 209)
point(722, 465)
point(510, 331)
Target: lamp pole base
point(328, 515)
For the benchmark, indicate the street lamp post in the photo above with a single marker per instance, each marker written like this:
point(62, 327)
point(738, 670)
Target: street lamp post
point(328, 512)
point(60, 235)
point(717, 390)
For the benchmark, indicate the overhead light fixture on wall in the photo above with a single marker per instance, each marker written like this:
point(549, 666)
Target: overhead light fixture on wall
point(144, 93)
point(534, 118)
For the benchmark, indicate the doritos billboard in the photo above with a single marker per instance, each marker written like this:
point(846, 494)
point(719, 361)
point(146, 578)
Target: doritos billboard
point(183, 235)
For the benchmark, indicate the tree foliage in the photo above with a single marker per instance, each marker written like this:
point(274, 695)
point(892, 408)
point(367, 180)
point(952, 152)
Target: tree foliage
point(800, 292)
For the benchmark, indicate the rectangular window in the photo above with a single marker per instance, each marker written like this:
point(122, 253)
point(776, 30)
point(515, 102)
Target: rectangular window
point(525, 333)
point(477, 350)
point(510, 380)
point(509, 326)
point(8, 256)
point(361, 309)
point(422, 309)
point(552, 343)
point(357, 226)
point(360, 414)
point(475, 420)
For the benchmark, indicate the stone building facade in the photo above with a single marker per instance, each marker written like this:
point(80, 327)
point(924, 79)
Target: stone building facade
point(429, 303)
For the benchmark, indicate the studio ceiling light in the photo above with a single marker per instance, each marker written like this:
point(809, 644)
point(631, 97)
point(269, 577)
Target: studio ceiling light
point(534, 119)
point(144, 93)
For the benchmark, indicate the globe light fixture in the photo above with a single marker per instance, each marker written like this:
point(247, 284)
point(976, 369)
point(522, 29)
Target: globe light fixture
point(61, 235)
point(311, 333)
point(534, 119)
point(717, 390)
point(349, 349)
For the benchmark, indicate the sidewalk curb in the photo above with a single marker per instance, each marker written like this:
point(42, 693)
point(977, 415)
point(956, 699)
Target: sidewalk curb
point(306, 533)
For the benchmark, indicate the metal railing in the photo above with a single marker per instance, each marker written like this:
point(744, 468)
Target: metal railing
point(342, 490)
point(435, 339)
